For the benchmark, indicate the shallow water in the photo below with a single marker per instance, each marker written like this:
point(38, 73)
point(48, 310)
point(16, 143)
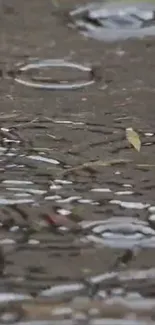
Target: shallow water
point(77, 221)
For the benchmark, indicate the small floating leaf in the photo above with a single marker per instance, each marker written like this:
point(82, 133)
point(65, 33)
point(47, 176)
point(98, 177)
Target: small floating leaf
point(133, 138)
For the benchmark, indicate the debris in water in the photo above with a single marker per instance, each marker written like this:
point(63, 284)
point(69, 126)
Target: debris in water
point(133, 138)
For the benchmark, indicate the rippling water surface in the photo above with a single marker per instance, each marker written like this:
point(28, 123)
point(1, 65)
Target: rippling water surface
point(117, 20)
point(77, 203)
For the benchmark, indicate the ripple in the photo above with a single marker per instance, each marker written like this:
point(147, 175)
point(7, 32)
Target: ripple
point(44, 159)
point(16, 182)
point(120, 232)
point(28, 191)
point(4, 201)
point(11, 296)
point(99, 321)
point(104, 190)
point(59, 290)
point(48, 83)
point(68, 122)
point(116, 310)
point(63, 182)
point(130, 205)
point(124, 193)
point(115, 21)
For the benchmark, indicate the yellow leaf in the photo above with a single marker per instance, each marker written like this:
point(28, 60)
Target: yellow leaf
point(133, 138)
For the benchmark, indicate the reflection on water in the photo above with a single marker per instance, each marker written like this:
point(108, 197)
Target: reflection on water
point(130, 205)
point(114, 310)
point(29, 223)
point(48, 83)
point(120, 232)
point(77, 205)
point(115, 21)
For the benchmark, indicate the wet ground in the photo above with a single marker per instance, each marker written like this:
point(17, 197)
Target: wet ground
point(77, 238)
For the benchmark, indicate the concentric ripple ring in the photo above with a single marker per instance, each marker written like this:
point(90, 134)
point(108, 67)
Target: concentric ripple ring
point(58, 85)
point(115, 20)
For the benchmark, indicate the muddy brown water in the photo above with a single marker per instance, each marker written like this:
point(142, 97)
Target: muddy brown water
point(77, 242)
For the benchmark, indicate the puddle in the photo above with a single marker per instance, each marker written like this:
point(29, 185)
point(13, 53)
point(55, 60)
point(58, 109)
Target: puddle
point(77, 206)
point(115, 21)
